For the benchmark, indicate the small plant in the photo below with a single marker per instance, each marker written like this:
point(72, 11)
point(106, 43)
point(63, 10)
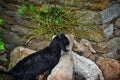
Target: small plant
point(51, 20)
point(1, 40)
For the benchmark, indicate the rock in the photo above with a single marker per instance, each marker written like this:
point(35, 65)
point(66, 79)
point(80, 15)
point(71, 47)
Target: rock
point(20, 30)
point(117, 32)
point(87, 68)
point(118, 54)
point(117, 23)
point(37, 44)
point(99, 5)
point(9, 47)
point(109, 48)
point(11, 38)
point(114, 52)
point(112, 55)
point(3, 57)
point(109, 31)
point(15, 16)
point(89, 18)
point(26, 23)
point(110, 13)
point(18, 54)
point(91, 35)
point(7, 19)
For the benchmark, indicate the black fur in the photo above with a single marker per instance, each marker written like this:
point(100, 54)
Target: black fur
point(45, 60)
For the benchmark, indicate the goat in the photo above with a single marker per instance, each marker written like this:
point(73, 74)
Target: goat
point(109, 67)
point(39, 62)
point(64, 69)
point(71, 64)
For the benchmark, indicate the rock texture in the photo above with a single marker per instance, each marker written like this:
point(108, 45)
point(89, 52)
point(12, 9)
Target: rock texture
point(87, 68)
point(110, 13)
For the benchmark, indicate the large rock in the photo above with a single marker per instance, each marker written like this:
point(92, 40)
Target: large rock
point(89, 21)
point(110, 13)
point(20, 30)
point(37, 44)
point(108, 31)
point(96, 36)
point(3, 57)
point(87, 68)
point(11, 38)
point(109, 48)
point(89, 18)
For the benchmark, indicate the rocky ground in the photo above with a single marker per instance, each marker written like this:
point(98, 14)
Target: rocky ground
point(106, 17)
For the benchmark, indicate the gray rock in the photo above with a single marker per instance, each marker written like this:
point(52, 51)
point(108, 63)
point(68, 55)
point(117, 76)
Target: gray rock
point(89, 18)
point(37, 44)
point(109, 31)
point(14, 16)
point(86, 67)
point(3, 57)
point(110, 13)
point(20, 30)
point(25, 22)
point(112, 55)
point(109, 48)
point(9, 47)
point(11, 38)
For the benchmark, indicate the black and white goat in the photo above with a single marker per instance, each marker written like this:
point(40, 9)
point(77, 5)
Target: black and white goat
point(39, 62)
point(64, 69)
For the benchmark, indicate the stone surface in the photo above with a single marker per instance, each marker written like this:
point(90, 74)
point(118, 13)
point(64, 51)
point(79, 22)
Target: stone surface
point(91, 35)
point(117, 23)
point(11, 38)
point(117, 32)
point(86, 67)
point(3, 57)
point(37, 44)
point(20, 30)
point(109, 47)
point(10, 47)
point(110, 13)
point(91, 18)
point(109, 31)
point(99, 5)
